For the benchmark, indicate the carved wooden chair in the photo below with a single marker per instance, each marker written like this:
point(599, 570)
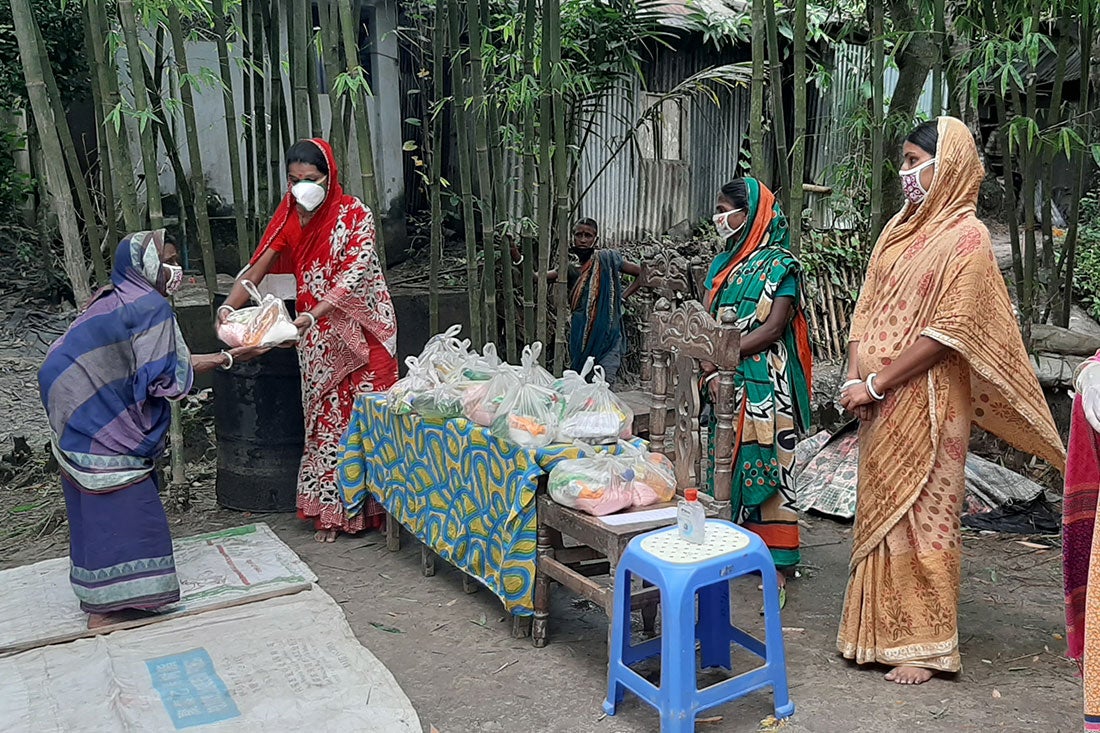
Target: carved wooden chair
point(680, 338)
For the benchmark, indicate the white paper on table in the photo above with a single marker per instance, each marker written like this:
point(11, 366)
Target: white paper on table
point(650, 515)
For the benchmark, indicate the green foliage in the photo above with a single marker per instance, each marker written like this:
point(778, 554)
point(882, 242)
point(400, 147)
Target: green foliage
point(62, 26)
point(15, 186)
point(1086, 276)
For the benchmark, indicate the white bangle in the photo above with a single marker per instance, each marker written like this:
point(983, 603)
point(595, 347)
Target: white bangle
point(225, 308)
point(312, 319)
point(710, 377)
point(871, 387)
point(228, 366)
point(850, 383)
point(518, 262)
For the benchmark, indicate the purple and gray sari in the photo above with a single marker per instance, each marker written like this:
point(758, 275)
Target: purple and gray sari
point(106, 385)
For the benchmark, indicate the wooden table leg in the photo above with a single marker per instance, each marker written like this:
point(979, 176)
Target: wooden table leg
point(542, 589)
point(469, 585)
point(427, 561)
point(393, 533)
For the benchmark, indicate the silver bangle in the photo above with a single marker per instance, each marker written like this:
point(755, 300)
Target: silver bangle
point(228, 366)
point(312, 319)
point(871, 387)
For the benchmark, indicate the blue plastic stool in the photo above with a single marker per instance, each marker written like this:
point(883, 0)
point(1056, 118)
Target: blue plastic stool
point(682, 569)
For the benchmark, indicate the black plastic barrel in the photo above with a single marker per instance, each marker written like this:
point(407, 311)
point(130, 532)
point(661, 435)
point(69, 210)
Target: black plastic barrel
point(260, 431)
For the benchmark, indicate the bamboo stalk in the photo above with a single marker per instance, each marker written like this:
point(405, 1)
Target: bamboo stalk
point(310, 60)
point(878, 113)
point(330, 54)
point(128, 18)
point(34, 58)
point(797, 194)
point(779, 124)
point(244, 244)
point(530, 183)
point(545, 185)
point(265, 187)
point(248, 118)
point(364, 137)
point(552, 46)
point(465, 167)
point(484, 176)
point(439, 53)
point(106, 180)
point(76, 175)
point(194, 151)
point(278, 131)
point(117, 139)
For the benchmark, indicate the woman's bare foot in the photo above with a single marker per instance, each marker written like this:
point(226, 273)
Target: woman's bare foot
point(326, 535)
point(99, 620)
point(780, 578)
point(906, 675)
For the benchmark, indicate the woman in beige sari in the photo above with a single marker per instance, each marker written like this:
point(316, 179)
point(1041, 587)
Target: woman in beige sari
point(934, 347)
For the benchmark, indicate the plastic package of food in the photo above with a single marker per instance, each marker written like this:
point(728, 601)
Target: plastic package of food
point(266, 324)
point(480, 367)
point(571, 381)
point(528, 416)
point(651, 477)
point(591, 484)
point(533, 373)
point(404, 392)
point(482, 399)
point(445, 354)
point(595, 415)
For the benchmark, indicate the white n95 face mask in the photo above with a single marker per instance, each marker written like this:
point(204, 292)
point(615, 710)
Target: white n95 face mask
point(308, 194)
point(721, 223)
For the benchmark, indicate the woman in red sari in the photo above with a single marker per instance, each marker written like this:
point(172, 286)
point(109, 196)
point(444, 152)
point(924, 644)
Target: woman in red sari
point(346, 322)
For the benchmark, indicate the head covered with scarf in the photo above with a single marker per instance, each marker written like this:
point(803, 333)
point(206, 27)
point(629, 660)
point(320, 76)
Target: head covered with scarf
point(763, 246)
point(106, 382)
point(334, 260)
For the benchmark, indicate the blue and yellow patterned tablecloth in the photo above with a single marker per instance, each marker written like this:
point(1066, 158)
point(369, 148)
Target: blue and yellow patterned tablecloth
point(463, 493)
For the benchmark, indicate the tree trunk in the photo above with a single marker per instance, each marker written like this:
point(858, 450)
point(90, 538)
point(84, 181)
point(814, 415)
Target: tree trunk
point(756, 95)
point(798, 154)
point(552, 47)
point(57, 183)
point(484, 174)
point(465, 170)
point(116, 134)
point(435, 149)
point(878, 108)
point(87, 210)
point(529, 244)
point(779, 124)
point(364, 137)
point(128, 17)
point(198, 179)
point(244, 242)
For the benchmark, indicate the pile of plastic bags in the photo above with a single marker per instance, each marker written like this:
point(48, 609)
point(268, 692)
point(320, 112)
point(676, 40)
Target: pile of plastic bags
point(521, 404)
point(266, 324)
point(605, 483)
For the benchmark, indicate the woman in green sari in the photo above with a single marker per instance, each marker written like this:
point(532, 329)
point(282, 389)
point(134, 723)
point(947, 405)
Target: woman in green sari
point(757, 276)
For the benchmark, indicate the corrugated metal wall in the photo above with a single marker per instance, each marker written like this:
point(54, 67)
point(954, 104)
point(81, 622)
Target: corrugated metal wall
point(831, 142)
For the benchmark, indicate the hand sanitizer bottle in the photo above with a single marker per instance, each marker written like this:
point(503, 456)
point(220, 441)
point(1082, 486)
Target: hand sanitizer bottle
point(691, 517)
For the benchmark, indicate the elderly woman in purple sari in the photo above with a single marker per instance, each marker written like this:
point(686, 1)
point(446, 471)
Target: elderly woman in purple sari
point(106, 386)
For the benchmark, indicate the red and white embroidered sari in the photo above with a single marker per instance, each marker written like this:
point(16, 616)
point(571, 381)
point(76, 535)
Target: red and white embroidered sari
point(349, 351)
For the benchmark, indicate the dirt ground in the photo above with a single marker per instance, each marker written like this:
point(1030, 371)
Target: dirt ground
point(453, 654)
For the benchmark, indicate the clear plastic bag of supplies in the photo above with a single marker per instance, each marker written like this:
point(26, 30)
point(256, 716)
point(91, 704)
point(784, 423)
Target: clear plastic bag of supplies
point(595, 415)
point(571, 381)
point(442, 401)
point(590, 484)
point(532, 371)
point(528, 416)
point(417, 381)
point(265, 324)
point(445, 354)
point(650, 477)
point(480, 367)
point(482, 399)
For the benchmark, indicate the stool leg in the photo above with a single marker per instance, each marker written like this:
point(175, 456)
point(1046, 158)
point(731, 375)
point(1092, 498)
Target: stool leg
point(649, 614)
point(773, 640)
point(678, 674)
point(618, 638)
point(393, 533)
point(713, 629)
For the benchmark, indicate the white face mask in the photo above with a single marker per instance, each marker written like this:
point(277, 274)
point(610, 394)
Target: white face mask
point(175, 278)
point(308, 194)
point(910, 182)
point(721, 223)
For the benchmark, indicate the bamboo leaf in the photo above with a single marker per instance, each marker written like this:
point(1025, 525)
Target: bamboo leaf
point(410, 146)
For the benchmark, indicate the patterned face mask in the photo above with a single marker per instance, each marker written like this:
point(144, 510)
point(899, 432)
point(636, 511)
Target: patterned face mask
point(175, 278)
point(910, 182)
